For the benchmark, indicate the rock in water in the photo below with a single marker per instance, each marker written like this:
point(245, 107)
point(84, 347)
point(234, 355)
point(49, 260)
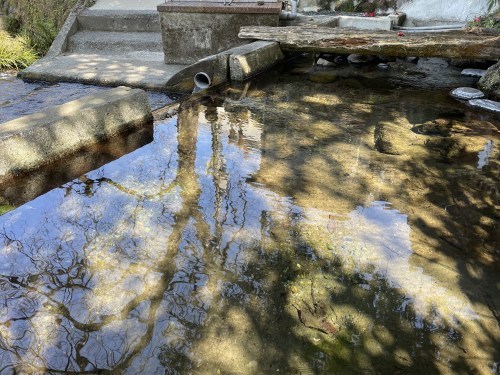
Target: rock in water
point(490, 82)
point(360, 59)
point(473, 72)
point(467, 93)
point(488, 105)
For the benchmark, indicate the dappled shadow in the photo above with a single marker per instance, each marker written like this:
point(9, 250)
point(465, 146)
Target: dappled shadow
point(257, 234)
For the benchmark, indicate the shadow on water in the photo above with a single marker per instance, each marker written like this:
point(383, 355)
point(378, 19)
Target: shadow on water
point(292, 228)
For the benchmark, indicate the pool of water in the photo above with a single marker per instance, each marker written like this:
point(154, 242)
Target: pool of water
point(283, 226)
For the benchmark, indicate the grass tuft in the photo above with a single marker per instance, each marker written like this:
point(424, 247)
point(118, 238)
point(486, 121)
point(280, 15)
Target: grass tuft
point(15, 52)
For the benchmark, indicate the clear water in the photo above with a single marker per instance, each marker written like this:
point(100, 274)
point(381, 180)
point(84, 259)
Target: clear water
point(266, 231)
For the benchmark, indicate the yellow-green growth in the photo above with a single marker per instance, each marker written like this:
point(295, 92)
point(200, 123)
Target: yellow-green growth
point(15, 53)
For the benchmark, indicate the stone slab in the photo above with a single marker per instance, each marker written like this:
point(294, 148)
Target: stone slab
point(251, 59)
point(467, 93)
point(473, 72)
point(486, 104)
point(31, 141)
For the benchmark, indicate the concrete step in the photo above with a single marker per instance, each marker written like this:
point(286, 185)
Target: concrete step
point(114, 43)
point(119, 20)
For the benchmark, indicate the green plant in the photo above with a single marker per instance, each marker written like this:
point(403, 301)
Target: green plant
point(15, 53)
point(493, 4)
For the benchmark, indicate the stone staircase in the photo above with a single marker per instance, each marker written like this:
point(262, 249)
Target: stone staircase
point(108, 47)
point(117, 32)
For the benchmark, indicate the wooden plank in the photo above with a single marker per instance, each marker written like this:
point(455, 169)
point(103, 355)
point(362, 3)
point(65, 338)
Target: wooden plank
point(451, 44)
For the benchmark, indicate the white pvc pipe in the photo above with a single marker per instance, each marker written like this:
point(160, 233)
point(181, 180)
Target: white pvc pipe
point(429, 28)
point(202, 81)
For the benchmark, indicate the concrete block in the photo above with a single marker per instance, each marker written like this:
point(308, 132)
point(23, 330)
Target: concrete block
point(194, 30)
point(365, 23)
point(252, 59)
point(32, 141)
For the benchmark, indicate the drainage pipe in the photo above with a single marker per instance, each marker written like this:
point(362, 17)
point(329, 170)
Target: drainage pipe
point(202, 81)
point(285, 15)
point(430, 28)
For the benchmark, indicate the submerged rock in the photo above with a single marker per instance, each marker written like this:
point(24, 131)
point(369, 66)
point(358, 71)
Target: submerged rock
point(322, 76)
point(467, 93)
point(490, 82)
point(383, 66)
point(440, 127)
point(488, 105)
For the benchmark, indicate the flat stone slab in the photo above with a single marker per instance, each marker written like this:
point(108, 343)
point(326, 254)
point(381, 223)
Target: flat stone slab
point(453, 44)
point(144, 70)
point(31, 141)
point(467, 93)
point(486, 104)
point(473, 72)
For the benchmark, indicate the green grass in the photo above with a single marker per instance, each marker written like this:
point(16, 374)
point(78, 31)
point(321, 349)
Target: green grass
point(15, 52)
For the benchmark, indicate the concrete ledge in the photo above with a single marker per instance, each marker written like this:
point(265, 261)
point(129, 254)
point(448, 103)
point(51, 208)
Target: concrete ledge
point(32, 141)
point(69, 28)
point(254, 58)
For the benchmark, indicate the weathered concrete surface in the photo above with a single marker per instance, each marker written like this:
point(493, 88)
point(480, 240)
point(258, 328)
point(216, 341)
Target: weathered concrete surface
point(446, 44)
point(366, 23)
point(490, 82)
point(237, 64)
point(119, 20)
point(142, 70)
point(254, 58)
point(69, 28)
point(110, 47)
point(31, 141)
point(194, 30)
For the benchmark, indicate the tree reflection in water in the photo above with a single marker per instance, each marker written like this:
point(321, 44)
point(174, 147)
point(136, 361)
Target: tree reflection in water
point(173, 259)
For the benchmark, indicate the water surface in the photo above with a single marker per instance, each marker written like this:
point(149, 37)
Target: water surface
point(287, 227)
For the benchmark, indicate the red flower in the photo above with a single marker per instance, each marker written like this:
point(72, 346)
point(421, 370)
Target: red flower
point(477, 19)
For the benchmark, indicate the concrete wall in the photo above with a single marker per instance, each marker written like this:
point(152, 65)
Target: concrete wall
point(430, 10)
point(191, 33)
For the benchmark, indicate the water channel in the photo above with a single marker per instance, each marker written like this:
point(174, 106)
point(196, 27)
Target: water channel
point(281, 226)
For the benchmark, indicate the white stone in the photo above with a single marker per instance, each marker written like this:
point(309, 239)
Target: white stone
point(324, 62)
point(467, 93)
point(489, 105)
point(473, 72)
